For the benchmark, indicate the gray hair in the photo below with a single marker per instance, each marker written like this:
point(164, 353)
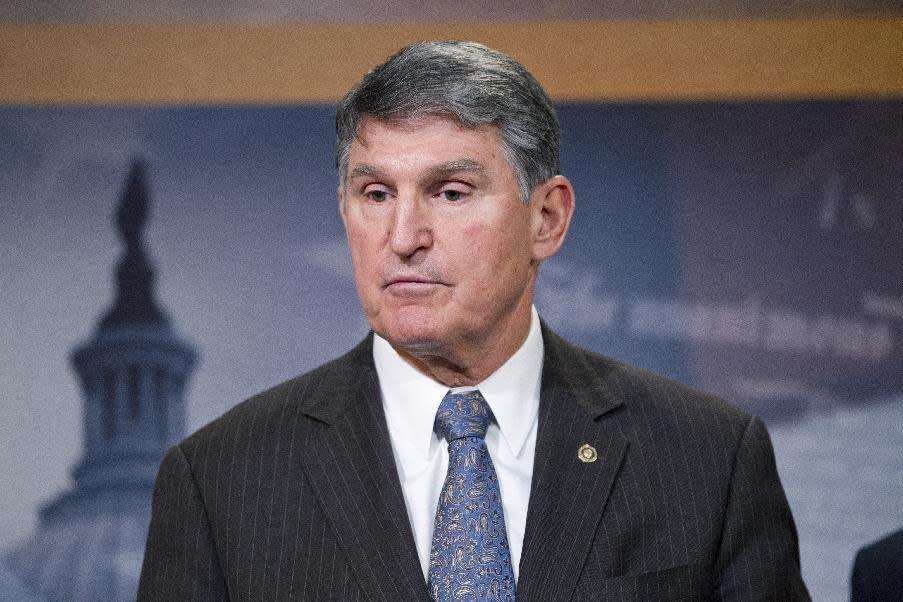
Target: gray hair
point(476, 85)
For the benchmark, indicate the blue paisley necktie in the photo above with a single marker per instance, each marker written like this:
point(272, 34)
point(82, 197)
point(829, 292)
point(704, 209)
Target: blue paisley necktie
point(469, 559)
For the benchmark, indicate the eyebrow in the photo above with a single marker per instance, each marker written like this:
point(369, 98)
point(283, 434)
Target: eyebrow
point(434, 172)
point(365, 169)
point(456, 166)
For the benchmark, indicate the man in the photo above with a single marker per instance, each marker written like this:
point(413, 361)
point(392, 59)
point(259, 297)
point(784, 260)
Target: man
point(463, 450)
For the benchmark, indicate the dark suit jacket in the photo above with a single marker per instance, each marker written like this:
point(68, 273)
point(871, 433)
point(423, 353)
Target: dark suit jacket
point(878, 570)
point(294, 494)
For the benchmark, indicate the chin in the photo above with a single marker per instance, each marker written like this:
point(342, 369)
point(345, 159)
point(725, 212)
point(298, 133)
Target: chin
point(413, 339)
point(415, 334)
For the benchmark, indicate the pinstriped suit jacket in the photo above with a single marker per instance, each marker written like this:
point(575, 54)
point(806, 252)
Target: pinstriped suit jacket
point(294, 494)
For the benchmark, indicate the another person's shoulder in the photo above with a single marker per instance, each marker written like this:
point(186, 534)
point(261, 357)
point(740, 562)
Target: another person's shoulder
point(878, 570)
point(887, 550)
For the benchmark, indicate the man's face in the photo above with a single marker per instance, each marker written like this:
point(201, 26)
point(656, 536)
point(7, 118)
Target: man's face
point(439, 236)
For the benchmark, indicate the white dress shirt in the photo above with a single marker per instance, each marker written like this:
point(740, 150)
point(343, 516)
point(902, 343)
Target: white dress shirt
point(411, 399)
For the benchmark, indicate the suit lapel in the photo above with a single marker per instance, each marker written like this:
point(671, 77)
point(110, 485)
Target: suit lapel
point(349, 462)
point(347, 457)
point(567, 495)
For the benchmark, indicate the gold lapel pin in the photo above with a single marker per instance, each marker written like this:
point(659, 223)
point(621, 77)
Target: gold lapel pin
point(587, 453)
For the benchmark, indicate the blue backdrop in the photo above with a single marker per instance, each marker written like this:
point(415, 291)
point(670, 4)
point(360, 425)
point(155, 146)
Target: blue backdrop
point(749, 249)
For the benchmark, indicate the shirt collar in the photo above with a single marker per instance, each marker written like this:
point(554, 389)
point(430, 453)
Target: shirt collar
point(411, 399)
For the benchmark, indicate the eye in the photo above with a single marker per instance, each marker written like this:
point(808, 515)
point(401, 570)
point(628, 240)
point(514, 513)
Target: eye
point(452, 195)
point(377, 196)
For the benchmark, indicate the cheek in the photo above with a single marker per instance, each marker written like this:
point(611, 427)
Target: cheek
point(491, 253)
point(477, 248)
point(366, 276)
point(360, 245)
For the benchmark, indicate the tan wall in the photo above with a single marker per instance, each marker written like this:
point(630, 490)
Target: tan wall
point(585, 61)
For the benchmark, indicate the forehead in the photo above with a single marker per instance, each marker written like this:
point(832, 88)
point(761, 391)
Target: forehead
point(424, 139)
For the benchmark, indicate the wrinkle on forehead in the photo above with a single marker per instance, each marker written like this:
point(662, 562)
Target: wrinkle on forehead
point(436, 147)
point(418, 120)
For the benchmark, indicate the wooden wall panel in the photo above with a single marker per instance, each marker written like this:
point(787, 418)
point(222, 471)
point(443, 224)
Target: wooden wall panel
point(576, 61)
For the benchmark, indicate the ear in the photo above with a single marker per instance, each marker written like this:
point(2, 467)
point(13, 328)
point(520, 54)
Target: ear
point(551, 208)
point(340, 193)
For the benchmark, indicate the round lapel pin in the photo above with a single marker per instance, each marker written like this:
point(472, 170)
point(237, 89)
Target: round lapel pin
point(587, 453)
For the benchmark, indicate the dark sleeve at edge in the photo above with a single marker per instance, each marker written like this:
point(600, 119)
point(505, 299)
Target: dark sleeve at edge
point(180, 561)
point(759, 553)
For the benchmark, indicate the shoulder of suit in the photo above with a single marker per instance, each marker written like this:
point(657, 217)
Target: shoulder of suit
point(299, 392)
point(635, 389)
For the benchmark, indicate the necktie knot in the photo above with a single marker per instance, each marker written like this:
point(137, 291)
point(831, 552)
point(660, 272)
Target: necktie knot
point(462, 415)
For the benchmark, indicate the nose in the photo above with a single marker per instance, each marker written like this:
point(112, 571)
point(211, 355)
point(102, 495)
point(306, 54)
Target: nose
point(411, 228)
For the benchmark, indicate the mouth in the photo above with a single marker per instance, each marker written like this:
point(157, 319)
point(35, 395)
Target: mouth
point(412, 285)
